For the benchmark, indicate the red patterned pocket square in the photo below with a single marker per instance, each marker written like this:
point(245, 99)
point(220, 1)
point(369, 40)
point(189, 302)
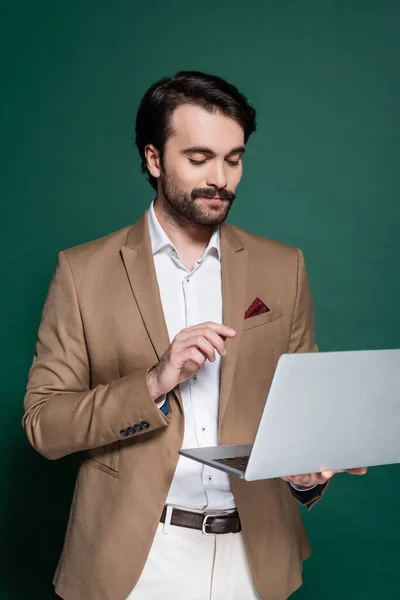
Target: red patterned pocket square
point(257, 307)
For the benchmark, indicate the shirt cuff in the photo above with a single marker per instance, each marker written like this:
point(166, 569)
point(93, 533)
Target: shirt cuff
point(306, 497)
point(302, 489)
point(161, 400)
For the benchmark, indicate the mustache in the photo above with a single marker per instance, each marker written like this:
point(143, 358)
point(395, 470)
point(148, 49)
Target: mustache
point(211, 193)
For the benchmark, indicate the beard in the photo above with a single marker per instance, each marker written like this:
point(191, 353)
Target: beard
point(185, 209)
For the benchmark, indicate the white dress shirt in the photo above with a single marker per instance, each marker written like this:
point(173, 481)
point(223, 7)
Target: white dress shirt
point(190, 298)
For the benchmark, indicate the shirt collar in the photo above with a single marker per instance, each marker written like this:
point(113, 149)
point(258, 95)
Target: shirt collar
point(160, 240)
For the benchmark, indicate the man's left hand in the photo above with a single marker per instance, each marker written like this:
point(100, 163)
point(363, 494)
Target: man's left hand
point(308, 481)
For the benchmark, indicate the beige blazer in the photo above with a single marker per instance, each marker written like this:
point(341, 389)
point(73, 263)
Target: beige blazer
point(102, 328)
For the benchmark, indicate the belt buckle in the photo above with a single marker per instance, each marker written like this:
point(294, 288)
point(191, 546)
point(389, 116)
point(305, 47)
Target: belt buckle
point(204, 524)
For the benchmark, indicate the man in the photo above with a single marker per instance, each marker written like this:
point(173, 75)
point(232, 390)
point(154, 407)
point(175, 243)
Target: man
point(144, 348)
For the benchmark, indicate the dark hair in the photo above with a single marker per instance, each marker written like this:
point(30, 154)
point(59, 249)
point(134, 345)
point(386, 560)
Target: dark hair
point(153, 120)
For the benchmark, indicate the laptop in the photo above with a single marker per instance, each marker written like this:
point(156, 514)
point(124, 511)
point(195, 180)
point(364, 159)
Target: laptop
point(325, 410)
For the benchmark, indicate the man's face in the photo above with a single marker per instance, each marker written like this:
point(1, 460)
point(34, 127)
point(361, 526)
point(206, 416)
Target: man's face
point(201, 166)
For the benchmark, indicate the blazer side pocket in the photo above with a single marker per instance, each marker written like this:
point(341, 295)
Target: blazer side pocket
point(100, 467)
point(105, 458)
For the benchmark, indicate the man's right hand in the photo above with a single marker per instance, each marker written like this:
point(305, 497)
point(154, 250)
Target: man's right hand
point(186, 355)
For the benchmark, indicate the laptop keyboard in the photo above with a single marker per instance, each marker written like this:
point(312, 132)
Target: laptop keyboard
point(237, 462)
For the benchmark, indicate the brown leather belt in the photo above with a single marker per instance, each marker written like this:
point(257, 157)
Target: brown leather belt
point(229, 523)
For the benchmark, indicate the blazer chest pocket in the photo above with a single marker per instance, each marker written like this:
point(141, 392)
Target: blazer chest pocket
point(104, 459)
point(263, 319)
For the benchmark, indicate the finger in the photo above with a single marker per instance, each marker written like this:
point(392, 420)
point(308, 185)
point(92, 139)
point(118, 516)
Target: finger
point(312, 479)
point(302, 480)
point(328, 474)
point(193, 359)
point(211, 336)
point(202, 344)
point(358, 471)
point(216, 340)
point(222, 330)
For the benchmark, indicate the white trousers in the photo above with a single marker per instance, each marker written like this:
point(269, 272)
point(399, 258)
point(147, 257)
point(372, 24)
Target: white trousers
point(185, 564)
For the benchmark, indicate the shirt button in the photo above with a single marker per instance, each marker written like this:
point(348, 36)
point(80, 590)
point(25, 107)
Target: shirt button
point(194, 377)
point(203, 428)
point(209, 478)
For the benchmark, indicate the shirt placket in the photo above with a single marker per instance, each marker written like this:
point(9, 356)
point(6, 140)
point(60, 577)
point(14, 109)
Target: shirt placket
point(199, 416)
point(190, 320)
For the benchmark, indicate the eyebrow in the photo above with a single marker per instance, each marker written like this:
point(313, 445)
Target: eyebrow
point(209, 152)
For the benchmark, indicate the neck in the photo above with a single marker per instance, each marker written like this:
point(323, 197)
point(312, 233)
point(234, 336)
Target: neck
point(189, 239)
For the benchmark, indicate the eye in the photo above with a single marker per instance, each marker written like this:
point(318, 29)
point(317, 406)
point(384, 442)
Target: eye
point(197, 163)
point(233, 163)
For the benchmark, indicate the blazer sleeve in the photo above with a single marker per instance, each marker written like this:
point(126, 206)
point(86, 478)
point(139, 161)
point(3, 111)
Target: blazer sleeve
point(302, 339)
point(302, 336)
point(62, 414)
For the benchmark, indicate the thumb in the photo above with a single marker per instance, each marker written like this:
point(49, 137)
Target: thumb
point(327, 474)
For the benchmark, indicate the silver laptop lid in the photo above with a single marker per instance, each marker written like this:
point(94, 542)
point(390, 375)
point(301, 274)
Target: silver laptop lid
point(333, 410)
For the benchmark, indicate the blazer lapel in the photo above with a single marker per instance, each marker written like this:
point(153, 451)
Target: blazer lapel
point(234, 259)
point(139, 264)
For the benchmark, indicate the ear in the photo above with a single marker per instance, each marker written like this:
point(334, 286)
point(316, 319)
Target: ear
point(153, 160)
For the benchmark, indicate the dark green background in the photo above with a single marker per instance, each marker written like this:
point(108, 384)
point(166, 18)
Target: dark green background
point(321, 173)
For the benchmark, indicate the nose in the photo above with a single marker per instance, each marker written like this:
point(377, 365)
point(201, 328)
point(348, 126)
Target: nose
point(217, 177)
